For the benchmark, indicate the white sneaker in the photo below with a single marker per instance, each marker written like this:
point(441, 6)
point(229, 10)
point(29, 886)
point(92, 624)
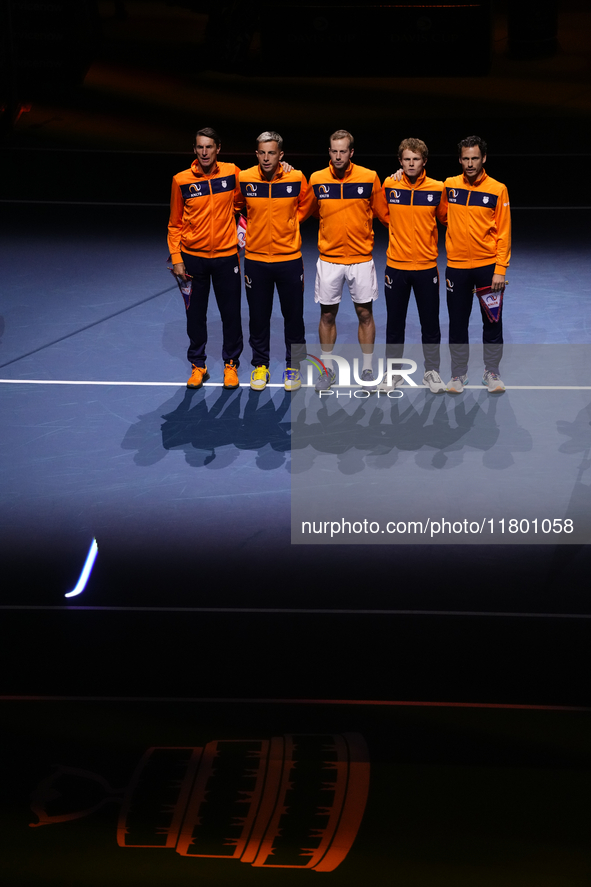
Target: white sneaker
point(434, 381)
point(325, 380)
point(493, 382)
point(396, 383)
point(456, 384)
point(367, 376)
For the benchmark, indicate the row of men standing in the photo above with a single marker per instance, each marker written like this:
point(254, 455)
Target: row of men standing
point(345, 198)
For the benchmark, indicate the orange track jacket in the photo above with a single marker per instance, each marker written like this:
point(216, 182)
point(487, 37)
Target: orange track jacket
point(478, 222)
point(346, 208)
point(202, 211)
point(411, 219)
point(273, 227)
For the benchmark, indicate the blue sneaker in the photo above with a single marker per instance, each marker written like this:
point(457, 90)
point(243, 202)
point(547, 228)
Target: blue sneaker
point(325, 380)
point(292, 379)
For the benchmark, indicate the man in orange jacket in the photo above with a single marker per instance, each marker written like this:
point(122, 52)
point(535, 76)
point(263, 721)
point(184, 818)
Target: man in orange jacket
point(412, 201)
point(273, 195)
point(475, 209)
point(345, 197)
point(203, 246)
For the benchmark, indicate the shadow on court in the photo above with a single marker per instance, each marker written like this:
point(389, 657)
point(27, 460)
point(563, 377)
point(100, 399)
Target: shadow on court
point(211, 430)
point(437, 430)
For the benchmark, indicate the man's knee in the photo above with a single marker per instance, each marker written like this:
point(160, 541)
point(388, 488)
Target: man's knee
point(364, 314)
point(328, 318)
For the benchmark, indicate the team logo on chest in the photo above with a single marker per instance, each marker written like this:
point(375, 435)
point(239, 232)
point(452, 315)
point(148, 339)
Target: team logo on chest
point(485, 199)
point(430, 198)
point(289, 189)
point(224, 183)
point(360, 189)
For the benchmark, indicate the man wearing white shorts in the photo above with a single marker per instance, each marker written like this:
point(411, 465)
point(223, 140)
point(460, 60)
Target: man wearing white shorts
point(345, 197)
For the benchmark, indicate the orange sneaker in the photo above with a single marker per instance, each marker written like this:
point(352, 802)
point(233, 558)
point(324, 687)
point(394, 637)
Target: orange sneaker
point(199, 375)
point(230, 375)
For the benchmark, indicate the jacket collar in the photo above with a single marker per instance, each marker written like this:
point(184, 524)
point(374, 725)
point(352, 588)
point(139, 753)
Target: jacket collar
point(419, 181)
point(348, 171)
point(201, 175)
point(279, 173)
point(478, 181)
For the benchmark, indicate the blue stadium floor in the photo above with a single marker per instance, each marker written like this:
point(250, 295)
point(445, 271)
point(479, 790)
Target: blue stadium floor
point(105, 441)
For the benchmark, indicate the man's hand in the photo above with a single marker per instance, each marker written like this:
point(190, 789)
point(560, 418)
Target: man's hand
point(397, 176)
point(179, 270)
point(498, 283)
point(287, 167)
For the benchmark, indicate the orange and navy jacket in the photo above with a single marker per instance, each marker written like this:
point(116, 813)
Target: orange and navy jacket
point(411, 219)
point(202, 212)
point(478, 222)
point(346, 208)
point(273, 227)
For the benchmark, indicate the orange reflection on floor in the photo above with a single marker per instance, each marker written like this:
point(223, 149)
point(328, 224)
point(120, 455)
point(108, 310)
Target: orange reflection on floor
point(294, 801)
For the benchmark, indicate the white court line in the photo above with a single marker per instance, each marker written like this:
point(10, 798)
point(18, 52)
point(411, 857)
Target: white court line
point(149, 384)
point(273, 385)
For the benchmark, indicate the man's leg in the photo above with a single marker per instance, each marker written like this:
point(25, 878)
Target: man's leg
point(426, 289)
point(327, 328)
point(289, 279)
point(492, 331)
point(328, 289)
point(225, 276)
point(366, 333)
point(459, 305)
point(397, 294)
point(363, 286)
point(197, 310)
point(258, 277)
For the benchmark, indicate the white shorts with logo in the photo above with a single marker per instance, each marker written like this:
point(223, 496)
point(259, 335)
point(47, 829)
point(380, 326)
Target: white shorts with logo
point(330, 277)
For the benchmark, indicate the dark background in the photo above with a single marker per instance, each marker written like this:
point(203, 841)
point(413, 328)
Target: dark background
point(100, 102)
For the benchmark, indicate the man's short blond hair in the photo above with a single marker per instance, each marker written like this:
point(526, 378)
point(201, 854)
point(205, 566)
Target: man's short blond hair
point(417, 146)
point(341, 134)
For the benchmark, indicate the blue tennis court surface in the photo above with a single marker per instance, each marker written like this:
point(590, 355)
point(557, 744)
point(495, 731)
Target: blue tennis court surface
point(157, 473)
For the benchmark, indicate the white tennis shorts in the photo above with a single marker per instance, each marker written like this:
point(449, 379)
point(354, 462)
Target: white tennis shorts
point(330, 277)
